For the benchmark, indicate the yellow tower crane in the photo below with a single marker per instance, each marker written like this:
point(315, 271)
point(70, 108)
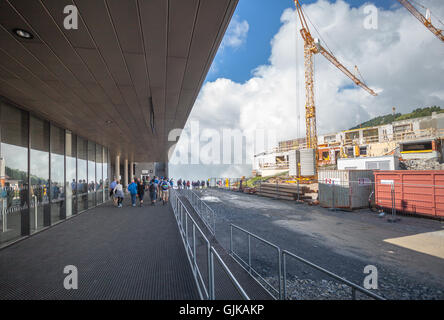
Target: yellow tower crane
point(312, 46)
point(425, 20)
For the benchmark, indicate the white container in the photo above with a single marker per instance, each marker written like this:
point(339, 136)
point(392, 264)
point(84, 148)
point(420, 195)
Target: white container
point(293, 162)
point(369, 163)
point(308, 162)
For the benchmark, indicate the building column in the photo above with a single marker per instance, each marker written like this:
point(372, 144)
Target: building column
point(131, 171)
point(117, 168)
point(125, 173)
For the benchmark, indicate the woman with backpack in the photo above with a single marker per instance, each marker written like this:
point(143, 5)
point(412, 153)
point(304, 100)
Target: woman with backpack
point(153, 192)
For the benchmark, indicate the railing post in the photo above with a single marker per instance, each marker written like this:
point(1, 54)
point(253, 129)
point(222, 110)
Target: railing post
point(284, 276)
point(353, 293)
point(249, 253)
point(211, 276)
point(231, 239)
point(280, 273)
point(194, 249)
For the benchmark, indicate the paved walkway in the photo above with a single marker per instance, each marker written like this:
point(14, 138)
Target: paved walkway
point(120, 253)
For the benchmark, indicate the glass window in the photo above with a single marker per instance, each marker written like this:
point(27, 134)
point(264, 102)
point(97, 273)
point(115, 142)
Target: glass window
point(71, 174)
point(82, 178)
point(13, 173)
point(106, 173)
point(91, 174)
point(99, 173)
point(57, 174)
point(39, 174)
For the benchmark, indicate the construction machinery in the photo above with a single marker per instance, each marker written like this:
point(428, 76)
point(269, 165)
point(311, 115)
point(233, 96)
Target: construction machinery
point(313, 46)
point(425, 20)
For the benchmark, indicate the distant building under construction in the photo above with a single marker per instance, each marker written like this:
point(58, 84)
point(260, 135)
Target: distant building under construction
point(414, 144)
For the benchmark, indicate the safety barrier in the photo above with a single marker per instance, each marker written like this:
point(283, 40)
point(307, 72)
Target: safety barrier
point(276, 293)
point(188, 225)
point(281, 292)
point(207, 214)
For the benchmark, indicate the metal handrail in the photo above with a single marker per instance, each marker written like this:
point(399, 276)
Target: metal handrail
point(250, 268)
point(182, 216)
point(197, 203)
point(237, 285)
point(354, 286)
point(282, 265)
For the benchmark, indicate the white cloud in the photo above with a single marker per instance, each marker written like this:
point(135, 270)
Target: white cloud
point(402, 60)
point(236, 34)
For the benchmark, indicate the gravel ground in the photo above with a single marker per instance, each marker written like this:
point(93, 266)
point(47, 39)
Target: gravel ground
point(341, 242)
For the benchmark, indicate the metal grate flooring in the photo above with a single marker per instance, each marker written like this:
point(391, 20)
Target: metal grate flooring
point(120, 253)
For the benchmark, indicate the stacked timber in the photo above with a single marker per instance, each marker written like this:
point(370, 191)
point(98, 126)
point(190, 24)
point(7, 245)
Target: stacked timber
point(280, 191)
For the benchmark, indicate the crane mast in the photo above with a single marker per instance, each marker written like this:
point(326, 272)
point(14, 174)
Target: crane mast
point(312, 47)
point(422, 19)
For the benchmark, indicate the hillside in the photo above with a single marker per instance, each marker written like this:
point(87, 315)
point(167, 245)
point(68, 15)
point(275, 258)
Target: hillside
point(389, 118)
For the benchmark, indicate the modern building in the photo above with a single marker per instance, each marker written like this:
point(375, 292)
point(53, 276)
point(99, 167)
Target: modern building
point(79, 105)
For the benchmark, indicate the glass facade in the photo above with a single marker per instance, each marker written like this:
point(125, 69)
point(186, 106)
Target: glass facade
point(82, 171)
point(67, 174)
point(57, 174)
point(71, 173)
point(99, 174)
point(39, 174)
point(14, 169)
point(91, 174)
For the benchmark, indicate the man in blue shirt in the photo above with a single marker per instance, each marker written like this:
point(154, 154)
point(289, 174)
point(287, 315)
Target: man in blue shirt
point(132, 188)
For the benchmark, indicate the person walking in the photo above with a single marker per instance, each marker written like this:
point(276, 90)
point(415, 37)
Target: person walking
point(118, 193)
point(140, 191)
point(111, 191)
point(164, 189)
point(153, 192)
point(132, 189)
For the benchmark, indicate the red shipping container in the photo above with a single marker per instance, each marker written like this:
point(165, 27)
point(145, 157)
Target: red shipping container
point(416, 192)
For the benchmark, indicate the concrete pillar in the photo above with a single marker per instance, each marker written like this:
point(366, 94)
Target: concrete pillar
point(131, 171)
point(117, 168)
point(125, 173)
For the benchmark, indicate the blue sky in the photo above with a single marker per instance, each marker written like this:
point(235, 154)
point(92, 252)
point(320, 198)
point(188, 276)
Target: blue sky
point(263, 17)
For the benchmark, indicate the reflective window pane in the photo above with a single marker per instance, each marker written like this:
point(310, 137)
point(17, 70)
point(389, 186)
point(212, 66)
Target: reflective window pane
point(106, 173)
point(99, 173)
point(91, 174)
point(71, 174)
point(39, 174)
point(13, 173)
point(57, 174)
point(82, 178)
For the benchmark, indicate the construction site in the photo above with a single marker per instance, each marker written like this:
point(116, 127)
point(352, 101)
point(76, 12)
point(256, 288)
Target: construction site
point(396, 166)
point(372, 195)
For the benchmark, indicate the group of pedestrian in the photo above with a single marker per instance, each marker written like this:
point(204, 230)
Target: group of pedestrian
point(187, 184)
point(157, 188)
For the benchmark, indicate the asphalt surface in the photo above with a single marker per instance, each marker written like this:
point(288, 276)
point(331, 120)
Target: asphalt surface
point(339, 241)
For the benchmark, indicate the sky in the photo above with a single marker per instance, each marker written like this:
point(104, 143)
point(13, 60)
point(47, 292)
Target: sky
point(256, 81)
